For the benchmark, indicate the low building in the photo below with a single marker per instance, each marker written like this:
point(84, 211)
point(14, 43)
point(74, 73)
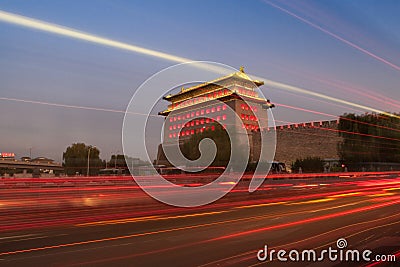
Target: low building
point(42, 160)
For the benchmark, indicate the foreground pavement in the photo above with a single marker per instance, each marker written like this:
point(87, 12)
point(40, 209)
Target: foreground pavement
point(117, 225)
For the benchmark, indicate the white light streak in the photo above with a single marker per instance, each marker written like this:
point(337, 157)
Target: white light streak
point(337, 37)
point(68, 32)
point(76, 34)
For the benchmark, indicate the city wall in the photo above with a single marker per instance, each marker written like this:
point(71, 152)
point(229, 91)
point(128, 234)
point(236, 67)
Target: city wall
point(312, 139)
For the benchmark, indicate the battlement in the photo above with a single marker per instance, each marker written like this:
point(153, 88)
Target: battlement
point(332, 124)
point(308, 139)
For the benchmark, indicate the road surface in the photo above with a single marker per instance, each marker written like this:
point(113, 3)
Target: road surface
point(118, 225)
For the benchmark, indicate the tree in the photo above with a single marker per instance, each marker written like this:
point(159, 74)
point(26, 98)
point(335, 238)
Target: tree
point(369, 138)
point(309, 164)
point(121, 161)
point(76, 159)
point(190, 148)
point(117, 161)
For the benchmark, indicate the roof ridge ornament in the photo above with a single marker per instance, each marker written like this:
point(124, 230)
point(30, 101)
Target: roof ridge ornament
point(241, 69)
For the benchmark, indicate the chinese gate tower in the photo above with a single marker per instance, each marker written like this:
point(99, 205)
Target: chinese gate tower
point(205, 105)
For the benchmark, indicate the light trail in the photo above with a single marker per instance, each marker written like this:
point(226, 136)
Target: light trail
point(361, 91)
point(31, 220)
point(347, 87)
point(253, 252)
point(138, 234)
point(323, 217)
point(387, 145)
point(76, 34)
point(304, 221)
point(319, 95)
point(337, 37)
point(327, 244)
point(155, 115)
point(324, 102)
point(82, 245)
point(334, 116)
point(363, 134)
point(75, 106)
point(321, 200)
point(149, 218)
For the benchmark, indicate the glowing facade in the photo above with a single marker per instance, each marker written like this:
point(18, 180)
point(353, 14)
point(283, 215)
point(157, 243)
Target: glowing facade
point(201, 107)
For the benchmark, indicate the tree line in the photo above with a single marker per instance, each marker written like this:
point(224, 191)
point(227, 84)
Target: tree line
point(369, 138)
point(369, 142)
point(366, 138)
point(77, 156)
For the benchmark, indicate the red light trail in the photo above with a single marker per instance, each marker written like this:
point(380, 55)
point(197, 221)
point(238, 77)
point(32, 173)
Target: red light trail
point(337, 37)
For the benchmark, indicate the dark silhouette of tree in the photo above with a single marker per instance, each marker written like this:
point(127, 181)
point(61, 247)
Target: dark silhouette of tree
point(122, 161)
point(369, 138)
point(309, 164)
point(75, 159)
point(190, 148)
point(117, 161)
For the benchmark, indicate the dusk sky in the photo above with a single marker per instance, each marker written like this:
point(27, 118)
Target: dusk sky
point(347, 50)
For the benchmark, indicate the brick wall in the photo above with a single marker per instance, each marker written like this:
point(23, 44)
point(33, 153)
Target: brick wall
point(314, 139)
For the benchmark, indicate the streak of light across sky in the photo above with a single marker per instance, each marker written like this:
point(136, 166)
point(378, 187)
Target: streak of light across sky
point(75, 106)
point(154, 115)
point(68, 32)
point(76, 34)
point(337, 37)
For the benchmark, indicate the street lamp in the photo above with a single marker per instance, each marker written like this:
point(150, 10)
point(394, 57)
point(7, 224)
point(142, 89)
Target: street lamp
point(88, 155)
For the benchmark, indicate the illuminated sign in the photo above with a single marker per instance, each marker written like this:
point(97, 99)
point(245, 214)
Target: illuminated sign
point(7, 155)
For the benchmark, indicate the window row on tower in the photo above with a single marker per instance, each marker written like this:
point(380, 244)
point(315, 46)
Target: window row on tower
point(247, 92)
point(192, 131)
point(197, 122)
point(198, 113)
point(248, 117)
point(250, 126)
point(201, 99)
point(247, 107)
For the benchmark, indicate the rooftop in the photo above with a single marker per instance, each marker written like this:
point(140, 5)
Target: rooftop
point(241, 75)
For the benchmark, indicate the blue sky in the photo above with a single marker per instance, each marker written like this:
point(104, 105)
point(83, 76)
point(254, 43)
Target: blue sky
point(270, 43)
